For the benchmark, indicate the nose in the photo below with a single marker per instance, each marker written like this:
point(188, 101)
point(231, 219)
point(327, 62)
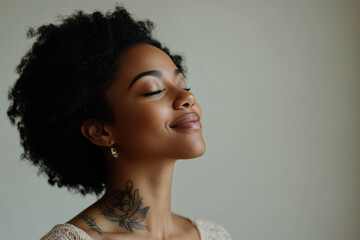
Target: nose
point(184, 99)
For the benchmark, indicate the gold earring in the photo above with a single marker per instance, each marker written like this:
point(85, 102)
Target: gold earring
point(113, 151)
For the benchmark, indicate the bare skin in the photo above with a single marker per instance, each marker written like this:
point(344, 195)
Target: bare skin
point(137, 201)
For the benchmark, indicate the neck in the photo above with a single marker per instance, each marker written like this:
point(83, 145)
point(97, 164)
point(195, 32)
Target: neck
point(138, 195)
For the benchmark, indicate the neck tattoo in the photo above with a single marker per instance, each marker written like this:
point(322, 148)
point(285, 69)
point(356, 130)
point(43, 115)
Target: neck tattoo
point(90, 221)
point(125, 208)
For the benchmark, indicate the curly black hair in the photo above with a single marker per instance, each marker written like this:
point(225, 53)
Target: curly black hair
point(62, 82)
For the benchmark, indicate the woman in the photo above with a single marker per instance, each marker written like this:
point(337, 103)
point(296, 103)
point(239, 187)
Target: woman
point(103, 108)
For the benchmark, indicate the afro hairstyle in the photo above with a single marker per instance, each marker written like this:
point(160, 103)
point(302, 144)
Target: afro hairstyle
point(62, 82)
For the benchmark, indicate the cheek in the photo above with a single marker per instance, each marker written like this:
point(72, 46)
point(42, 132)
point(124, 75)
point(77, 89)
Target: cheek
point(143, 122)
point(152, 117)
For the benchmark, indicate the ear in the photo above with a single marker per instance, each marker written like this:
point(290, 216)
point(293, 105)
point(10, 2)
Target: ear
point(95, 132)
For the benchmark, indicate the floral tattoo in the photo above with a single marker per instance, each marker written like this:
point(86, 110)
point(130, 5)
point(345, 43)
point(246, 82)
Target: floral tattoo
point(125, 208)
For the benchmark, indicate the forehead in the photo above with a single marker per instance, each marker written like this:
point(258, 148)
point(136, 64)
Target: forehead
point(141, 58)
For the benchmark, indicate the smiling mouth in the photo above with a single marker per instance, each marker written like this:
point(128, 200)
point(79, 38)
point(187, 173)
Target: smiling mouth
point(188, 125)
point(188, 121)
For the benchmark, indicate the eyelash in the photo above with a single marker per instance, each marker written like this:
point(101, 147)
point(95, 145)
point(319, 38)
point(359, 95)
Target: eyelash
point(158, 91)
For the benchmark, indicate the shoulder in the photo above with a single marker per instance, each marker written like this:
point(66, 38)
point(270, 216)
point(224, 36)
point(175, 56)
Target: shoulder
point(66, 231)
point(210, 230)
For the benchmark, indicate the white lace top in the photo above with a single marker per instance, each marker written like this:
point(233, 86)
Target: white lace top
point(208, 231)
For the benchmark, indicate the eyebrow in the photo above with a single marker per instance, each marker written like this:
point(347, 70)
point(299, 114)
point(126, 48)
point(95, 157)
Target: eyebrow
point(155, 73)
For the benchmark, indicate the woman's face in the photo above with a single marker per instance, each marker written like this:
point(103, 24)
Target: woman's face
point(143, 122)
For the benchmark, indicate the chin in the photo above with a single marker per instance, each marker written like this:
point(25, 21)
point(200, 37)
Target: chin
point(197, 150)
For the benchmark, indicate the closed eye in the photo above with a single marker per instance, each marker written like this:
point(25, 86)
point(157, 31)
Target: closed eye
point(153, 93)
point(159, 91)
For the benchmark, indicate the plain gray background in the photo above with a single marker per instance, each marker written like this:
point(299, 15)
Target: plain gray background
point(278, 82)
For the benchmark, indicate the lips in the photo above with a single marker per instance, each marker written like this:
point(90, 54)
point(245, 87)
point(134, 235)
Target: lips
point(190, 120)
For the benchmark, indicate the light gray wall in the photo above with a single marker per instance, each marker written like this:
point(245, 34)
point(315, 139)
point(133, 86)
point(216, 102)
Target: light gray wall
point(278, 82)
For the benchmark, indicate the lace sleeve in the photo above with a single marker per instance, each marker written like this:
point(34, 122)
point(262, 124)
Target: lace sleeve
point(211, 231)
point(66, 232)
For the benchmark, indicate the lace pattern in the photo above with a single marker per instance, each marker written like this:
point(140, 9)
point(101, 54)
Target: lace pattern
point(208, 231)
point(66, 231)
point(211, 231)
